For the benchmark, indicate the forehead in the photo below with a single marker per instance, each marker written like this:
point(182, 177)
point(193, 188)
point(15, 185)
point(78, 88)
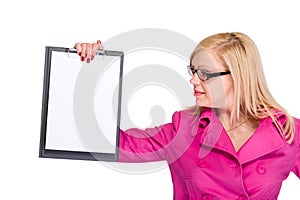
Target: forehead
point(206, 58)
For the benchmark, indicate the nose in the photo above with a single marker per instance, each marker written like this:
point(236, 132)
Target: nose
point(195, 80)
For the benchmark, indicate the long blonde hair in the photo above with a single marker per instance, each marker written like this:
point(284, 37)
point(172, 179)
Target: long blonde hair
point(252, 98)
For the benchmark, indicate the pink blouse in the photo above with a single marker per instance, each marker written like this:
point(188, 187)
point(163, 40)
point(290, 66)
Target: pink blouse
point(203, 162)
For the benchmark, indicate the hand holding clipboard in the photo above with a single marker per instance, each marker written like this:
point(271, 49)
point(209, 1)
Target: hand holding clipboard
point(87, 51)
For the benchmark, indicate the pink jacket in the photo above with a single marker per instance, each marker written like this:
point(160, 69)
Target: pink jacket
point(204, 164)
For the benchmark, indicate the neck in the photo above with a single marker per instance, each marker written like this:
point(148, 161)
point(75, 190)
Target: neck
point(225, 118)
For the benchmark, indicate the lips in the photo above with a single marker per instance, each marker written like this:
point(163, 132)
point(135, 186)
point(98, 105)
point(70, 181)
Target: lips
point(197, 93)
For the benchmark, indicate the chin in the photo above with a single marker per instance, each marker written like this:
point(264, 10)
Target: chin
point(201, 104)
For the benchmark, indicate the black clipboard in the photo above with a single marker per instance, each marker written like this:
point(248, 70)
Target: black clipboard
point(81, 105)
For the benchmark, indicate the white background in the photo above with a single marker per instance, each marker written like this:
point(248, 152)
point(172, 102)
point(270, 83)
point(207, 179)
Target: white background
point(28, 26)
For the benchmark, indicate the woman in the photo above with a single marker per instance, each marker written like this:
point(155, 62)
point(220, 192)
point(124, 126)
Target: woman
point(237, 142)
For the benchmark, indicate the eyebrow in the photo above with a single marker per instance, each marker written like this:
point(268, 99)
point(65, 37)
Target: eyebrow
point(203, 67)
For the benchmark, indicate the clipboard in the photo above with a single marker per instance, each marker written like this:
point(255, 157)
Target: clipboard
point(81, 105)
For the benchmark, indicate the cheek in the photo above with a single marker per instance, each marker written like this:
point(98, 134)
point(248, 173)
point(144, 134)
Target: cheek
point(228, 87)
point(220, 92)
point(216, 89)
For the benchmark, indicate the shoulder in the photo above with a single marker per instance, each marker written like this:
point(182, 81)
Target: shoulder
point(297, 130)
point(183, 117)
point(296, 121)
point(192, 115)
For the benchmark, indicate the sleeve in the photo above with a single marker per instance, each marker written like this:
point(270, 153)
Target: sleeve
point(136, 145)
point(296, 168)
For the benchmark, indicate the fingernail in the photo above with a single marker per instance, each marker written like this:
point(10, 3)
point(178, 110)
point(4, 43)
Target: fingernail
point(92, 57)
point(88, 60)
point(82, 58)
point(79, 53)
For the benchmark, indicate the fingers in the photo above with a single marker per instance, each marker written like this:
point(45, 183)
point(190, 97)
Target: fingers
point(94, 50)
point(89, 48)
point(78, 48)
point(87, 51)
point(100, 47)
point(83, 51)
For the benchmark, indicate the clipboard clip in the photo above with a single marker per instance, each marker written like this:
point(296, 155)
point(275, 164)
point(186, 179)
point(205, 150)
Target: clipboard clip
point(102, 53)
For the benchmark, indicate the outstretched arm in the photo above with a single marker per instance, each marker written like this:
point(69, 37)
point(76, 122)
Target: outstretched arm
point(147, 145)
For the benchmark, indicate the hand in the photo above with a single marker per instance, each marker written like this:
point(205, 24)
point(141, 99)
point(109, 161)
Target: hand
point(87, 51)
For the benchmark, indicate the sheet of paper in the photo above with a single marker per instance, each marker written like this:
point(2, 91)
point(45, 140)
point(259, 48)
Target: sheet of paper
point(83, 104)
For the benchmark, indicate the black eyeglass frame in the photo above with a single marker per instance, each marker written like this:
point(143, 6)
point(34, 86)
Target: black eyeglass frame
point(193, 70)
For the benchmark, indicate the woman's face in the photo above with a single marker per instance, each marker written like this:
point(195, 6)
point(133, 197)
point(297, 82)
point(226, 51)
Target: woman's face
point(216, 92)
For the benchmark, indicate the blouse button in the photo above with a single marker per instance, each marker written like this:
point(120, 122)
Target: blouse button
point(261, 169)
point(233, 165)
point(243, 197)
point(207, 197)
point(201, 163)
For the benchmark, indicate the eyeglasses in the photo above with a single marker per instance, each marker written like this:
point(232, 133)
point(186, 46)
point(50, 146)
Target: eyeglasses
point(203, 75)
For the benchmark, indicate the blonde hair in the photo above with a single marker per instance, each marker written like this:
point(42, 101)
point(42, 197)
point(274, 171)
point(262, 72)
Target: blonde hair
point(252, 98)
